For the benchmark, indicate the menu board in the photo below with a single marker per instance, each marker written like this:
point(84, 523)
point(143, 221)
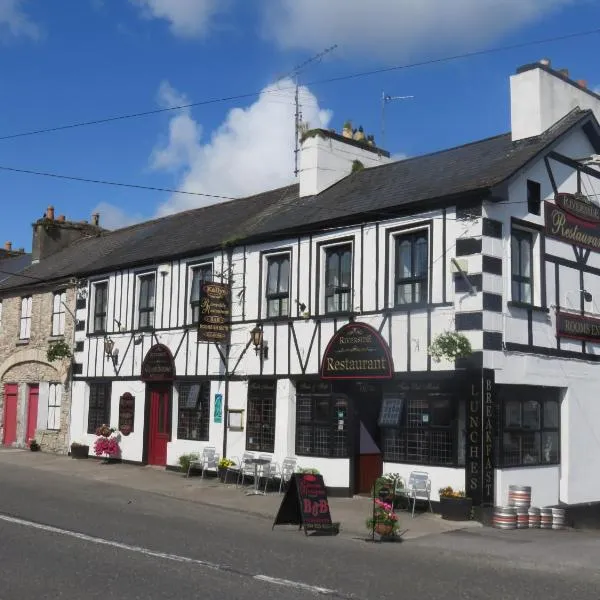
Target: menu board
point(126, 413)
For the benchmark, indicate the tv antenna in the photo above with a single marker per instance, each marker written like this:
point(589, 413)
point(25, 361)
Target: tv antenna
point(385, 99)
point(298, 124)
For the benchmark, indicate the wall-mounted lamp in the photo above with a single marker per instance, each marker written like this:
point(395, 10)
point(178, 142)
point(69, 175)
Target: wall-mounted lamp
point(260, 345)
point(111, 352)
point(587, 296)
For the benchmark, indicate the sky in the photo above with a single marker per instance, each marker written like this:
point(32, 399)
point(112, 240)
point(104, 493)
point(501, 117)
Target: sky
point(70, 61)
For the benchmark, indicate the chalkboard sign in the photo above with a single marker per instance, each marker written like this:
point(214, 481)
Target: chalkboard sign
point(126, 413)
point(305, 504)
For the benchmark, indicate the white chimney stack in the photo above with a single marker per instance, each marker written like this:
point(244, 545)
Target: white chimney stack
point(540, 96)
point(327, 157)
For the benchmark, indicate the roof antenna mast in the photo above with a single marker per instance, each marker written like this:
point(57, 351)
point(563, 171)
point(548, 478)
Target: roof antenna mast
point(298, 124)
point(385, 98)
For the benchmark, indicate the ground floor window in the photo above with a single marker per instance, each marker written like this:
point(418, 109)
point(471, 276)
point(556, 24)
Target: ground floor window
point(530, 425)
point(194, 411)
point(260, 424)
point(321, 421)
point(419, 429)
point(99, 405)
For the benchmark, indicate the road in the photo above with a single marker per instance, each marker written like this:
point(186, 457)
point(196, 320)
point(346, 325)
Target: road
point(68, 538)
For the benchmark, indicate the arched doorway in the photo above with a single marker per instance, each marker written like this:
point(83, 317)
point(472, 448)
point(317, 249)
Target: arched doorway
point(357, 360)
point(158, 371)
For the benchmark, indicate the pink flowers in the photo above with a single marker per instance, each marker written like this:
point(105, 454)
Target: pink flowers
point(108, 446)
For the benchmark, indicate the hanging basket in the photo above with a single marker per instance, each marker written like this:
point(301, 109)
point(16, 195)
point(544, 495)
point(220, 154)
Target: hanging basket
point(450, 345)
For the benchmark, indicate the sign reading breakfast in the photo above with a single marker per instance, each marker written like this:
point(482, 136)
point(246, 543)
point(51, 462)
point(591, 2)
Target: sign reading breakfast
point(574, 219)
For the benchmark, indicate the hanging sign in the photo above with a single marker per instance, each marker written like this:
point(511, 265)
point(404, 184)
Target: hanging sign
point(357, 351)
point(218, 413)
point(158, 364)
point(305, 504)
point(573, 219)
point(214, 323)
point(126, 413)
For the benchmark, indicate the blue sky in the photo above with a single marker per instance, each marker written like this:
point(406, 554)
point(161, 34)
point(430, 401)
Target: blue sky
point(101, 58)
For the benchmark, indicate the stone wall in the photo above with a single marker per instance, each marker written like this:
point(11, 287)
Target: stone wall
point(24, 362)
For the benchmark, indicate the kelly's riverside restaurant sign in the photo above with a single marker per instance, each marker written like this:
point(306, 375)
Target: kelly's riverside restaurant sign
point(357, 351)
point(214, 324)
point(577, 327)
point(573, 219)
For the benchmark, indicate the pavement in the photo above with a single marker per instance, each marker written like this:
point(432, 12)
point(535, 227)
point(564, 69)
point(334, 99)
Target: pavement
point(68, 535)
point(351, 513)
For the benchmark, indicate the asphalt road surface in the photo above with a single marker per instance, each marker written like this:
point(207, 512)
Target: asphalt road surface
point(68, 538)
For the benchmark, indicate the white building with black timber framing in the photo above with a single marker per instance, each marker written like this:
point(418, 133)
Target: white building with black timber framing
point(497, 239)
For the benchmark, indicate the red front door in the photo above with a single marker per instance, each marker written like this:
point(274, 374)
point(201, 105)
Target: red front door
point(11, 392)
point(159, 425)
point(32, 411)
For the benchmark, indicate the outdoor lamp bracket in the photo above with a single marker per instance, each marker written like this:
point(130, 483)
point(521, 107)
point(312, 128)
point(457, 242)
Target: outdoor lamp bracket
point(260, 345)
point(111, 352)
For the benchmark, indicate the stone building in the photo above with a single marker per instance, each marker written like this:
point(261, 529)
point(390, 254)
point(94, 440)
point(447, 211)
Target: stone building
point(38, 314)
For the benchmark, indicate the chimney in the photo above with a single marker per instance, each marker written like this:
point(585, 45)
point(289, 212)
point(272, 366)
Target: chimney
point(8, 246)
point(326, 157)
point(96, 219)
point(540, 96)
point(50, 213)
point(61, 218)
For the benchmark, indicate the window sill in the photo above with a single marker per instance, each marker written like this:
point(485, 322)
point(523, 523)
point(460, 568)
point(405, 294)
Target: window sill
point(22, 342)
point(55, 338)
point(529, 466)
point(526, 306)
point(281, 319)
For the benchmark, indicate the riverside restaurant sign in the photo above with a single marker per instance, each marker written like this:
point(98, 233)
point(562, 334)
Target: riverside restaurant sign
point(573, 219)
point(357, 351)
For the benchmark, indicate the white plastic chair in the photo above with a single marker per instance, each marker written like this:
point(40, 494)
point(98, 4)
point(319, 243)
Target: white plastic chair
point(196, 463)
point(210, 460)
point(419, 488)
point(288, 468)
point(246, 468)
point(271, 472)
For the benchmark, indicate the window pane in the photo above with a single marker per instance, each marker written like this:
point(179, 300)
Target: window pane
point(513, 414)
point(531, 448)
point(284, 307)
point(322, 413)
point(420, 292)
point(346, 268)
point(284, 275)
point(421, 257)
point(440, 412)
point(405, 259)
point(531, 415)
point(526, 293)
point(550, 447)
point(404, 293)
point(525, 270)
point(551, 414)
point(514, 255)
point(511, 449)
point(272, 277)
point(332, 277)
point(331, 304)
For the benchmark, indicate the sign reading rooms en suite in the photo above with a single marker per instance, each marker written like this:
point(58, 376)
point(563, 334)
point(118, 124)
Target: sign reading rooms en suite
point(577, 327)
point(357, 351)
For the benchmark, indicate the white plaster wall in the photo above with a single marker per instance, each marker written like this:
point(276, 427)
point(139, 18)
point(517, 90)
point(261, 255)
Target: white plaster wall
point(441, 477)
point(544, 482)
point(539, 99)
point(335, 471)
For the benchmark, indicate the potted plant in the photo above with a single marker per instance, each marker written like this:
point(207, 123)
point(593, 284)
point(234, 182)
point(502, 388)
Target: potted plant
point(58, 350)
point(79, 450)
point(106, 444)
point(347, 129)
point(450, 345)
point(383, 521)
point(185, 460)
point(222, 467)
point(454, 505)
point(33, 445)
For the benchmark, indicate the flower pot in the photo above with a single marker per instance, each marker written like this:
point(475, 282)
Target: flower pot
point(222, 471)
point(384, 529)
point(80, 451)
point(455, 509)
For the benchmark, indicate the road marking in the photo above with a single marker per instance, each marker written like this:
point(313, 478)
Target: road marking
point(173, 557)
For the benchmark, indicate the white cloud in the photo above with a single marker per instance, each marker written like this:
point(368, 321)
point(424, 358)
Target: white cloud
point(15, 22)
point(251, 151)
point(113, 217)
point(395, 29)
point(187, 18)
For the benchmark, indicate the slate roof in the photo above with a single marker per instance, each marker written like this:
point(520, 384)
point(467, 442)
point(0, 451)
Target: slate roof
point(477, 166)
point(13, 264)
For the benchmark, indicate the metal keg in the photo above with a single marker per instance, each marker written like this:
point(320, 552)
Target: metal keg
point(505, 517)
point(534, 517)
point(522, 517)
point(519, 495)
point(546, 518)
point(558, 518)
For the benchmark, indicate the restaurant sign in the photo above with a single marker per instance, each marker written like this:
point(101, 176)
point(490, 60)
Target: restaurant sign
point(577, 327)
point(214, 323)
point(158, 364)
point(357, 351)
point(574, 219)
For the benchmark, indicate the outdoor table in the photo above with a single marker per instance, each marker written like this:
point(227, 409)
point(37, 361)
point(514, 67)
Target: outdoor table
point(256, 462)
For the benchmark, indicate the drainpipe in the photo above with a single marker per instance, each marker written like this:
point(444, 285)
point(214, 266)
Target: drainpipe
point(227, 352)
point(70, 370)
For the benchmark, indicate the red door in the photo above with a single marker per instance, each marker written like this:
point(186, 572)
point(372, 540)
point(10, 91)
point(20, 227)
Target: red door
point(159, 425)
point(32, 411)
point(11, 391)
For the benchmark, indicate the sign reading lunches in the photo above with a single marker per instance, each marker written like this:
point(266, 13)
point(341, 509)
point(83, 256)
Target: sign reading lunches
point(214, 324)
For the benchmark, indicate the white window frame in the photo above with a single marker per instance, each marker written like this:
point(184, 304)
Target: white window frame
point(191, 268)
point(59, 312)
point(266, 258)
point(536, 264)
point(25, 318)
point(55, 393)
point(139, 277)
point(95, 285)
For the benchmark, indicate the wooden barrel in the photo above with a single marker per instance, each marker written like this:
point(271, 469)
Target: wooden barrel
point(505, 517)
point(522, 517)
point(519, 495)
point(558, 518)
point(546, 518)
point(534, 517)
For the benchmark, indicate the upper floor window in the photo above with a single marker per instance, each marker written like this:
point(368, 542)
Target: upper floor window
point(278, 284)
point(58, 313)
point(534, 197)
point(146, 301)
point(54, 405)
point(200, 274)
point(25, 324)
point(100, 306)
point(411, 268)
point(521, 249)
point(338, 278)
